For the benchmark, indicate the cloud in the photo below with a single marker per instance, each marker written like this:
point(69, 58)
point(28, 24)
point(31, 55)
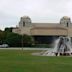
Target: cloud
point(18, 7)
point(38, 10)
point(7, 20)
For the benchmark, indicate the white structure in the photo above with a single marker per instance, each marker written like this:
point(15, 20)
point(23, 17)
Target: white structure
point(66, 21)
point(27, 27)
point(64, 28)
point(62, 48)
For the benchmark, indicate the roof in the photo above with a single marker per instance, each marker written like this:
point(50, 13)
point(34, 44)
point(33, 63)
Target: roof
point(63, 28)
point(45, 24)
point(48, 26)
point(66, 17)
point(26, 17)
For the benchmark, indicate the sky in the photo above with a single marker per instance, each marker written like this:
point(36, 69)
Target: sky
point(47, 11)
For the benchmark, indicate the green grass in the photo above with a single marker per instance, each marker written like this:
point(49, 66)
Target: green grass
point(18, 61)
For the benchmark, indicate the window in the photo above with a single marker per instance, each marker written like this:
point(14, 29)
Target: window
point(23, 23)
point(67, 24)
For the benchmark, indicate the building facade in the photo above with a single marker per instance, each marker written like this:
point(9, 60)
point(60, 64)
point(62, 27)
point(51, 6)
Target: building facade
point(42, 32)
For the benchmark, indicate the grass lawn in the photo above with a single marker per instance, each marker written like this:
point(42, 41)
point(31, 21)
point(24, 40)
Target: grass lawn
point(18, 61)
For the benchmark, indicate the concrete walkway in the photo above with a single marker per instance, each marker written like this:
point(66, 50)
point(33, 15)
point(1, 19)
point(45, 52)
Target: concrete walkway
point(26, 48)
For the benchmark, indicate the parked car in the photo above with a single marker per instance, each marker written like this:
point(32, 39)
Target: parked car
point(4, 46)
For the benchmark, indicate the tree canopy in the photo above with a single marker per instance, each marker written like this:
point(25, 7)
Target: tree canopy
point(15, 40)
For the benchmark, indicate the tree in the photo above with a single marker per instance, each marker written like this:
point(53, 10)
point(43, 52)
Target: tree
point(27, 40)
point(16, 40)
point(8, 29)
point(2, 36)
point(13, 39)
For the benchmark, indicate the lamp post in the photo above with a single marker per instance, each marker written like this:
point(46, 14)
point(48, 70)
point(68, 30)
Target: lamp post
point(22, 42)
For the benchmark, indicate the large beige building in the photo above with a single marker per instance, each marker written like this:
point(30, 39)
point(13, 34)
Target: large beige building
point(63, 28)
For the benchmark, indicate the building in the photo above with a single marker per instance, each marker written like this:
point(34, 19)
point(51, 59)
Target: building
point(44, 32)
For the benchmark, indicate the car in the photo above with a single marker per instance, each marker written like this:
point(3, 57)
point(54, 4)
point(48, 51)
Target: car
point(4, 46)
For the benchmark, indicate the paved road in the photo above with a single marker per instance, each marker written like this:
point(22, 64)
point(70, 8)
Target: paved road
point(26, 48)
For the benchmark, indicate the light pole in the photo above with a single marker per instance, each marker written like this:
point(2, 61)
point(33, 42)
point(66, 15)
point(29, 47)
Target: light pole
point(22, 42)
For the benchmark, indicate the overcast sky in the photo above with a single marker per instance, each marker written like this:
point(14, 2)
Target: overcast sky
point(37, 10)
